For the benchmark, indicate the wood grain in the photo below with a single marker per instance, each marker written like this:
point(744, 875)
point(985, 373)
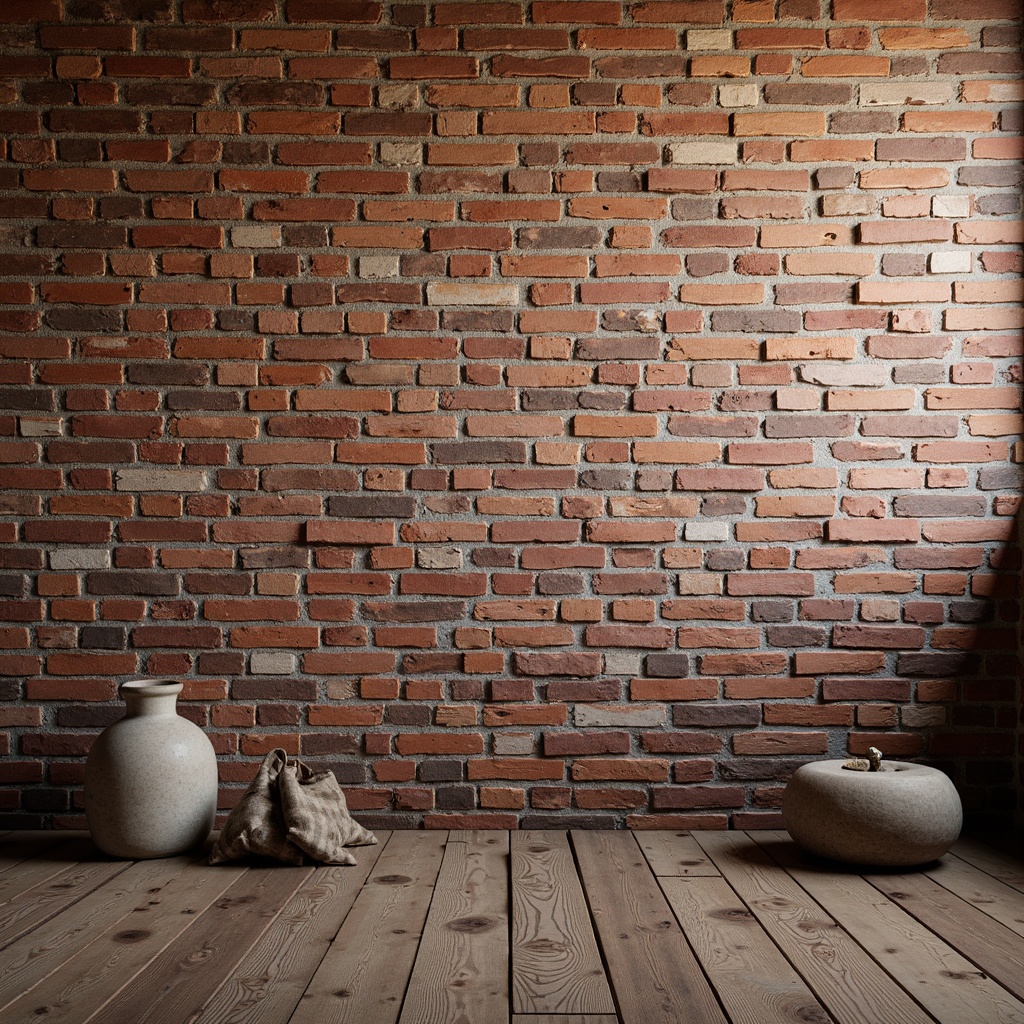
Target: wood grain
point(177, 985)
point(840, 973)
point(675, 854)
point(40, 869)
point(754, 981)
point(270, 979)
point(991, 946)
point(1009, 870)
point(18, 847)
point(1001, 902)
point(23, 913)
point(564, 1018)
point(49, 946)
point(945, 982)
point(364, 974)
point(461, 971)
point(556, 966)
point(468, 927)
point(106, 965)
point(653, 971)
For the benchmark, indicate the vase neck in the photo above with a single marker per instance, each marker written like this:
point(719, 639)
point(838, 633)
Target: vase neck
point(150, 697)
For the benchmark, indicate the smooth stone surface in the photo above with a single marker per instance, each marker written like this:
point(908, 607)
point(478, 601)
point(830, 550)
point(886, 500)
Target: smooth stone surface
point(903, 815)
point(151, 778)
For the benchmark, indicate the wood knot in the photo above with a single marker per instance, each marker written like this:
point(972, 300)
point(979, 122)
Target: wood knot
point(471, 924)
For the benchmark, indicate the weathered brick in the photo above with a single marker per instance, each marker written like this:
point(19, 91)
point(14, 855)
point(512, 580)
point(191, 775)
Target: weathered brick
point(528, 447)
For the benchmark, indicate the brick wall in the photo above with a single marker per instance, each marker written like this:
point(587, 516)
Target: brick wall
point(541, 413)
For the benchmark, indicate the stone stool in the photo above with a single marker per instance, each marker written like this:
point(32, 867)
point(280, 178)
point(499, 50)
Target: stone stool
point(895, 814)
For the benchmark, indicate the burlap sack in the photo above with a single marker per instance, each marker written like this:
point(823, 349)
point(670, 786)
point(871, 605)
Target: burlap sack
point(287, 811)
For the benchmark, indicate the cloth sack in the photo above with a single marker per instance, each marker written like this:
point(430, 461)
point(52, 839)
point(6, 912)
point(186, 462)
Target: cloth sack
point(288, 811)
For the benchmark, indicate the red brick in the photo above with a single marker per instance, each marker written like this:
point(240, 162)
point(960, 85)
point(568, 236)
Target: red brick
point(900, 744)
point(879, 10)
point(732, 236)
point(720, 67)
point(168, 236)
point(780, 39)
point(692, 797)
point(351, 376)
point(313, 11)
point(538, 122)
point(600, 12)
point(263, 181)
point(287, 40)
point(749, 584)
point(433, 68)
point(94, 294)
point(71, 179)
point(677, 179)
point(497, 211)
point(780, 743)
point(514, 768)
point(28, 11)
point(87, 37)
point(329, 153)
point(844, 66)
point(599, 769)
point(895, 231)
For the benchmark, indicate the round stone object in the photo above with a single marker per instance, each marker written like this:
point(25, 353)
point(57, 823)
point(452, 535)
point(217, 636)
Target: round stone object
point(903, 815)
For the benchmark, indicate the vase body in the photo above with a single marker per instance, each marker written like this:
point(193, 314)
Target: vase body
point(150, 778)
point(903, 815)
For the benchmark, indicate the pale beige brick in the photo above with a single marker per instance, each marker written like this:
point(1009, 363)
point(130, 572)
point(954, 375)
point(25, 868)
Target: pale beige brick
point(951, 206)
point(457, 293)
point(798, 398)
point(256, 236)
point(709, 39)
point(738, 95)
point(901, 94)
point(950, 262)
point(703, 153)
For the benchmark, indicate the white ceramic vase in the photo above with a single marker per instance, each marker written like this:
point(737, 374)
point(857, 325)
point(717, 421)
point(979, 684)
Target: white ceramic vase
point(150, 778)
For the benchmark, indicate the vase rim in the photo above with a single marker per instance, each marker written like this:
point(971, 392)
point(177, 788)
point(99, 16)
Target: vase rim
point(150, 687)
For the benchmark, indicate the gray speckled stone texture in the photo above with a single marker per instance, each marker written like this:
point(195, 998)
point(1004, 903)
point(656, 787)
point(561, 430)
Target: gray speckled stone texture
point(904, 815)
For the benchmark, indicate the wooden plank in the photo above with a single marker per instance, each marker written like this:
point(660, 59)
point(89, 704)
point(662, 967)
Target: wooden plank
point(18, 847)
point(754, 981)
point(838, 971)
point(556, 966)
point(39, 904)
point(365, 971)
point(1000, 901)
point(44, 866)
point(564, 1018)
point(461, 970)
point(105, 965)
point(946, 984)
point(990, 945)
point(1004, 841)
point(269, 981)
point(675, 854)
point(193, 967)
point(34, 957)
point(654, 973)
point(1009, 870)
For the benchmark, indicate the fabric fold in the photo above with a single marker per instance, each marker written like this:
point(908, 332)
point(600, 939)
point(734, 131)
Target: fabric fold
point(289, 812)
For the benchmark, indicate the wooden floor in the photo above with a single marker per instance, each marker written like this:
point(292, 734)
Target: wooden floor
point(527, 928)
